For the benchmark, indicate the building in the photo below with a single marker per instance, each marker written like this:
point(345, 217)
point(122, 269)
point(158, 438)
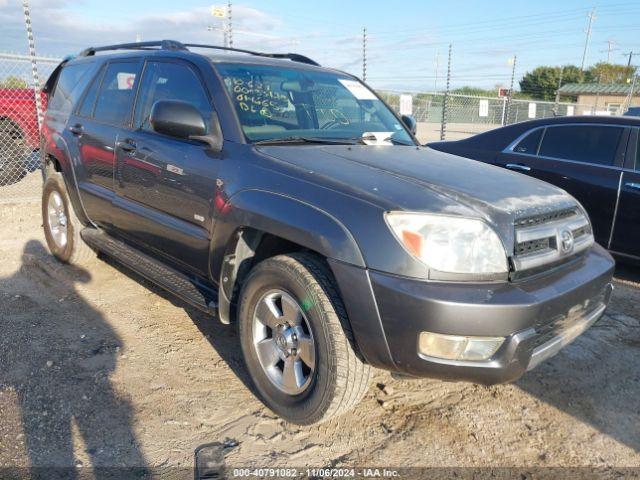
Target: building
point(598, 98)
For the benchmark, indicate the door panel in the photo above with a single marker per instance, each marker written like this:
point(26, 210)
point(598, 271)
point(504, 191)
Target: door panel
point(591, 174)
point(101, 117)
point(165, 189)
point(164, 185)
point(626, 235)
point(626, 231)
point(594, 186)
point(96, 151)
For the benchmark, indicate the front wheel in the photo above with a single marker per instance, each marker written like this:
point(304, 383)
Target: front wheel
point(297, 342)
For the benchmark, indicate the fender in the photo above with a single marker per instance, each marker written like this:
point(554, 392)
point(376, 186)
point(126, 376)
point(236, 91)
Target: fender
point(56, 147)
point(279, 215)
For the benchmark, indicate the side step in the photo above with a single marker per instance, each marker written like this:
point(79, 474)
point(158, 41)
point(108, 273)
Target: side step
point(183, 286)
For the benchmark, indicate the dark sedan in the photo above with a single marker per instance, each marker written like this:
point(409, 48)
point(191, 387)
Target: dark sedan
point(594, 158)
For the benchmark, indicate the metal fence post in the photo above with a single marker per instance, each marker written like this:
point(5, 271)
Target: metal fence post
point(445, 101)
point(34, 63)
point(510, 96)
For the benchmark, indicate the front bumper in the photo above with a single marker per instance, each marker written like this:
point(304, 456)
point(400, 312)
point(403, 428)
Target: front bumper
point(537, 317)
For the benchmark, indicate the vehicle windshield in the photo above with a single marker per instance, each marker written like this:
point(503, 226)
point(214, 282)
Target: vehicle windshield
point(275, 103)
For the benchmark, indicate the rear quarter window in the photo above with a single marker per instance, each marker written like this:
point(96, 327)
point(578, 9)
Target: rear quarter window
point(530, 143)
point(71, 83)
point(89, 100)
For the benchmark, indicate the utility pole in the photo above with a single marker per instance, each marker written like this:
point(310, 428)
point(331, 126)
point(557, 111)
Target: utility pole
point(510, 96)
point(225, 37)
point(630, 54)
point(609, 49)
point(592, 17)
point(229, 25)
point(435, 84)
point(556, 107)
point(629, 99)
point(364, 54)
point(445, 100)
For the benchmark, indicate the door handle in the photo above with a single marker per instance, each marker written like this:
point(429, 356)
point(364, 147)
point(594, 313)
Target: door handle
point(127, 145)
point(76, 129)
point(518, 166)
point(635, 186)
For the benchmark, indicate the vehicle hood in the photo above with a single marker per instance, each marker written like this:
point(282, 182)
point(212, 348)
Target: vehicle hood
point(424, 179)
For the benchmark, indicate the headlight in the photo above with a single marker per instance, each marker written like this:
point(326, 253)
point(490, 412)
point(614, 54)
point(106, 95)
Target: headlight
point(450, 244)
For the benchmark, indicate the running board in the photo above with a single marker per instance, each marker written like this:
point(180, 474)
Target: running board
point(181, 285)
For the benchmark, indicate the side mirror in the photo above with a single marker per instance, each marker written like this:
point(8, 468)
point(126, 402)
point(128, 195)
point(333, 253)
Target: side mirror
point(183, 120)
point(410, 123)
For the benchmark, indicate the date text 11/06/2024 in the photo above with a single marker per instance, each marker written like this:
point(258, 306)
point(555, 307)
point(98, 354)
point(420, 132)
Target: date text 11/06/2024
point(315, 472)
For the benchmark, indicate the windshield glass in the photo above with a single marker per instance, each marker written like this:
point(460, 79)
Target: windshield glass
point(284, 103)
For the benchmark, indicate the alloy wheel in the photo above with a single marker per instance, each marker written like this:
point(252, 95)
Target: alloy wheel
point(283, 342)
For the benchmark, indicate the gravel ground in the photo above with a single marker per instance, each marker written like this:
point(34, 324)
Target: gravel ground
point(100, 369)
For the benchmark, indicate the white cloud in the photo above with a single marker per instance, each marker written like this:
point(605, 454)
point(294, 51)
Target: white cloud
point(62, 27)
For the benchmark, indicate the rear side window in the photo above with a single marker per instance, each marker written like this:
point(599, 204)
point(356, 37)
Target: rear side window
point(71, 83)
point(529, 144)
point(86, 109)
point(582, 143)
point(115, 98)
point(169, 81)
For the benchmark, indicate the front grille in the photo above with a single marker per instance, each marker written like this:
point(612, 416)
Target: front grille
point(547, 330)
point(534, 220)
point(532, 246)
point(549, 238)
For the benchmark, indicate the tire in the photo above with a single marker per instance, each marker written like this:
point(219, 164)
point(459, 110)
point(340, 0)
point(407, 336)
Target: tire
point(59, 217)
point(338, 379)
point(12, 154)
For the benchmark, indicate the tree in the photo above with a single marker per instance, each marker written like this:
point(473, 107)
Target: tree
point(542, 82)
point(13, 82)
point(605, 73)
point(475, 91)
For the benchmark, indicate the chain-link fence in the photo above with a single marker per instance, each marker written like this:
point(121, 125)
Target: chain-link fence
point(468, 115)
point(20, 178)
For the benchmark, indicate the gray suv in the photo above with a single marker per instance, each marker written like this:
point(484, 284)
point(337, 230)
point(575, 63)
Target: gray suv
point(290, 200)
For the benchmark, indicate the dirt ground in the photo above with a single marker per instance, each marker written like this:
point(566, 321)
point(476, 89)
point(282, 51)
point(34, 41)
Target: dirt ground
point(98, 369)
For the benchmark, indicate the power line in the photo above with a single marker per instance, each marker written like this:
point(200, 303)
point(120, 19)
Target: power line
point(515, 23)
point(631, 54)
point(609, 49)
point(542, 17)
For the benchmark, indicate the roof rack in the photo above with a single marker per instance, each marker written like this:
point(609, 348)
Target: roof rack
point(177, 46)
point(163, 44)
point(295, 57)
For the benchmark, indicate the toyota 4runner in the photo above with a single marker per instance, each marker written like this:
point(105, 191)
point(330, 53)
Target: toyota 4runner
point(290, 199)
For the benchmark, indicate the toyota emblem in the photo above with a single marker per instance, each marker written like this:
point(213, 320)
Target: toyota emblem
point(566, 241)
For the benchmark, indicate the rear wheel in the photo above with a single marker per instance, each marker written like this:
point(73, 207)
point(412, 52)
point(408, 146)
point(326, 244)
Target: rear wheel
point(297, 342)
point(61, 226)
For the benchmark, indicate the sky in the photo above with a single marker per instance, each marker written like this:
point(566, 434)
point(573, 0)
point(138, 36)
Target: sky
point(407, 42)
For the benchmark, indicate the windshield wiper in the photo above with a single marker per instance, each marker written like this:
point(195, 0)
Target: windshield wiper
point(372, 138)
point(298, 139)
point(399, 142)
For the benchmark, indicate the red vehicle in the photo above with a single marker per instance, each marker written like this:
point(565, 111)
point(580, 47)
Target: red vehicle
point(19, 136)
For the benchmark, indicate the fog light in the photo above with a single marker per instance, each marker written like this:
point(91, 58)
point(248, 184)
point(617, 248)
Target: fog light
point(455, 347)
